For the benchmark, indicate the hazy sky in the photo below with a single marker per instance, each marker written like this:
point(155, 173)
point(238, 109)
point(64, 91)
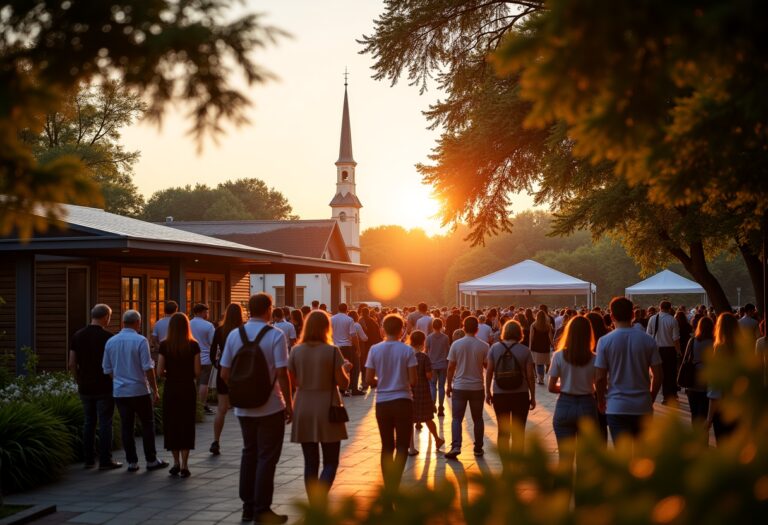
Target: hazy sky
point(293, 139)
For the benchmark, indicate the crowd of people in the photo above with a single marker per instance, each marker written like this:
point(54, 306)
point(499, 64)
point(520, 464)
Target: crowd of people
point(607, 367)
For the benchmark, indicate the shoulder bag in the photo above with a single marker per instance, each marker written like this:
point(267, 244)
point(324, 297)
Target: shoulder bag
point(336, 413)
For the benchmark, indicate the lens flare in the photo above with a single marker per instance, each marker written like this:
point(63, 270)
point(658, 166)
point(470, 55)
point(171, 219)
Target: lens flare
point(385, 284)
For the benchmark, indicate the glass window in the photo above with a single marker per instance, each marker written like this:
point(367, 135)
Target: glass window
point(158, 290)
point(194, 293)
point(300, 296)
point(279, 295)
point(130, 294)
point(215, 299)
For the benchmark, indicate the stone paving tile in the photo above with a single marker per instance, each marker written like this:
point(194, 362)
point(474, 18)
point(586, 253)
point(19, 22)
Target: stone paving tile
point(211, 494)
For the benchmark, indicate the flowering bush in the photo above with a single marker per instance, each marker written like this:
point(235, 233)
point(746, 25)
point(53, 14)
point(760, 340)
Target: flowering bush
point(35, 387)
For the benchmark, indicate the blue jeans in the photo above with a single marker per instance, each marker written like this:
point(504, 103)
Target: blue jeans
point(569, 411)
point(262, 446)
point(437, 385)
point(99, 408)
point(541, 371)
point(459, 401)
point(623, 425)
point(311, 453)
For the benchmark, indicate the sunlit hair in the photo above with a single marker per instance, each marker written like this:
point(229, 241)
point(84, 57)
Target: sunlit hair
point(233, 318)
point(297, 318)
point(458, 334)
point(726, 333)
point(577, 342)
point(542, 321)
point(512, 331)
point(417, 339)
point(317, 328)
point(179, 334)
point(393, 325)
point(705, 329)
point(354, 316)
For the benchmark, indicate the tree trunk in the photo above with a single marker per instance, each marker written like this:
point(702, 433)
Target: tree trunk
point(755, 269)
point(696, 264)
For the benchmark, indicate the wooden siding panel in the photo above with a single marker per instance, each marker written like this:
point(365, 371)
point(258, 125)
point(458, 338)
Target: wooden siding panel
point(51, 316)
point(240, 288)
point(108, 290)
point(8, 314)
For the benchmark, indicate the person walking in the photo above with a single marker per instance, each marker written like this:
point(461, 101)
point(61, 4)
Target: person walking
point(628, 373)
point(541, 344)
point(452, 323)
point(319, 371)
point(728, 333)
point(95, 387)
point(373, 334)
point(281, 323)
point(233, 319)
point(203, 332)
point(262, 427)
point(179, 362)
point(572, 376)
point(423, 403)
point(343, 332)
point(391, 369)
point(437, 346)
point(134, 387)
point(699, 348)
point(160, 329)
point(466, 360)
point(665, 330)
point(516, 395)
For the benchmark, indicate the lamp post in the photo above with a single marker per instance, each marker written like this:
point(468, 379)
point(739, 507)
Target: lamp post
point(738, 296)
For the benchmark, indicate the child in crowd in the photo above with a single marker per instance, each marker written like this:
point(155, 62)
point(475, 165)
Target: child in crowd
point(423, 405)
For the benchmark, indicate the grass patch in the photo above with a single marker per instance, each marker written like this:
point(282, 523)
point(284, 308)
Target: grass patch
point(10, 510)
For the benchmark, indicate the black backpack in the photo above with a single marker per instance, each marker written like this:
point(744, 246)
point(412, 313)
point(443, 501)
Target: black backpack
point(249, 379)
point(507, 371)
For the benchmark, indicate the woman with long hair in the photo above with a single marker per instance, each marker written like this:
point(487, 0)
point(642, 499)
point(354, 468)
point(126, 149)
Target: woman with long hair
point(511, 405)
point(319, 370)
point(233, 319)
point(726, 344)
point(297, 320)
point(541, 344)
point(574, 366)
point(520, 318)
point(179, 363)
point(698, 348)
point(599, 329)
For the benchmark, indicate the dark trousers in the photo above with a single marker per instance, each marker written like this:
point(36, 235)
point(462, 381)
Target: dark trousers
point(699, 403)
point(510, 409)
point(395, 421)
point(363, 359)
point(262, 445)
point(351, 355)
point(459, 401)
point(623, 425)
point(130, 408)
point(311, 453)
point(99, 408)
point(721, 428)
point(669, 367)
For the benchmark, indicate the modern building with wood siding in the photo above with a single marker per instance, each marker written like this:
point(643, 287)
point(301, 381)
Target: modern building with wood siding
point(50, 282)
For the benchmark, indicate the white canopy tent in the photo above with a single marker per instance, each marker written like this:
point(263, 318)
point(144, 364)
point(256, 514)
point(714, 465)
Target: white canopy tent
point(665, 282)
point(525, 278)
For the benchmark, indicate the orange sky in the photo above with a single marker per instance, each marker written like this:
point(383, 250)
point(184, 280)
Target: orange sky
point(293, 139)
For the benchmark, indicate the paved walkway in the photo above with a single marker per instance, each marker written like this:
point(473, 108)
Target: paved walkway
point(211, 494)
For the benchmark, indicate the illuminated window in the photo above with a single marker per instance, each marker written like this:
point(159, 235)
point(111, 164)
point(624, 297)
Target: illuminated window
point(130, 294)
point(215, 298)
point(158, 295)
point(342, 217)
point(194, 293)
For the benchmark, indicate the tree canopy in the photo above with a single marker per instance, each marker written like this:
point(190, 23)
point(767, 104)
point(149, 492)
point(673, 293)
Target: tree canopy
point(165, 50)
point(242, 199)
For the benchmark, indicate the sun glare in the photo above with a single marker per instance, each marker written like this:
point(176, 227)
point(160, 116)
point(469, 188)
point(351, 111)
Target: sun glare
point(418, 209)
point(385, 284)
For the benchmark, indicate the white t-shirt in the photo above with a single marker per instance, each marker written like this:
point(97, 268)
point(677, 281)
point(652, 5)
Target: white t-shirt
point(484, 332)
point(343, 329)
point(424, 324)
point(288, 329)
point(391, 361)
point(574, 380)
point(470, 354)
point(160, 330)
point(275, 351)
point(203, 331)
point(359, 332)
point(668, 330)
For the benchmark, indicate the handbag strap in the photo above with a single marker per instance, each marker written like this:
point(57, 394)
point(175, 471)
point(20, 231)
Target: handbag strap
point(333, 372)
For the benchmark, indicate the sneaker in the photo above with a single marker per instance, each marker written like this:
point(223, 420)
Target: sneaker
point(453, 453)
point(208, 410)
point(133, 467)
point(271, 518)
point(174, 471)
point(157, 464)
point(185, 473)
point(479, 452)
point(110, 466)
point(439, 442)
point(247, 515)
point(215, 449)
point(419, 426)
point(413, 452)
point(347, 393)
point(358, 393)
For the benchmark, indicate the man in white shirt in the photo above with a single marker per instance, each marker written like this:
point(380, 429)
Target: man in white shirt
point(484, 332)
point(278, 318)
point(344, 336)
point(424, 323)
point(413, 317)
point(263, 428)
point(665, 331)
point(466, 362)
point(203, 330)
point(160, 330)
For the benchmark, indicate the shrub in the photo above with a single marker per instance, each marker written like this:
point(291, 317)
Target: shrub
point(34, 446)
point(69, 410)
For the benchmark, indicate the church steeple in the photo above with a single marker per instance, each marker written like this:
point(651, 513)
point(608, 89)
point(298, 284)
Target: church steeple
point(345, 206)
point(345, 144)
